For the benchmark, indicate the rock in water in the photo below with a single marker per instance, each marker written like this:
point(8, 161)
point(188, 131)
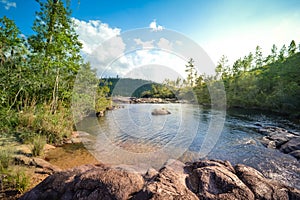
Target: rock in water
point(161, 111)
point(206, 179)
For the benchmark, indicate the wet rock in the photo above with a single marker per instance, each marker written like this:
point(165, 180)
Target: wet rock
point(161, 111)
point(292, 145)
point(206, 179)
point(296, 154)
point(100, 113)
point(261, 187)
point(282, 139)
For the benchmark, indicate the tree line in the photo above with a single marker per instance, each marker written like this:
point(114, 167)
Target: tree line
point(255, 81)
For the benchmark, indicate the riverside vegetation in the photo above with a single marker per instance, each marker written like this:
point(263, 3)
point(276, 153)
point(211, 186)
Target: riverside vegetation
point(37, 75)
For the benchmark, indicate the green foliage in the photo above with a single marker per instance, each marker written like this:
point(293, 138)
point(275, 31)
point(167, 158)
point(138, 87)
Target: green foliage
point(15, 179)
point(159, 91)
point(56, 53)
point(275, 86)
point(128, 87)
point(38, 143)
point(5, 159)
point(40, 119)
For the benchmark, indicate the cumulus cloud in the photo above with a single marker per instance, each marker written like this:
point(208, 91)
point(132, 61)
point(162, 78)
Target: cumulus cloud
point(144, 44)
point(8, 4)
point(93, 33)
point(164, 44)
point(155, 27)
point(111, 54)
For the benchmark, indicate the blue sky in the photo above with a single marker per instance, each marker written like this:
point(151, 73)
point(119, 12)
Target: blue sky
point(230, 27)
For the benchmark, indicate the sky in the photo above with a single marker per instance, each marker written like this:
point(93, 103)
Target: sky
point(219, 27)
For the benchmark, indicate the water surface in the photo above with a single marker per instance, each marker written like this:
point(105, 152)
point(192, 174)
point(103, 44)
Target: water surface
point(132, 136)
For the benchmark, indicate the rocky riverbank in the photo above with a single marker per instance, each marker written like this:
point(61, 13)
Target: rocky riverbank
point(279, 138)
point(205, 179)
point(133, 100)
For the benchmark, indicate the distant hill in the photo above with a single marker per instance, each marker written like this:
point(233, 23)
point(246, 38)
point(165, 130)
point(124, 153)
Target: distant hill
point(128, 87)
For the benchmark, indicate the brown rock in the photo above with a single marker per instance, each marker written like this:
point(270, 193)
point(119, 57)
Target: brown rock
point(88, 182)
point(161, 111)
point(261, 187)
point(165, 185)
point(215, 180)
point(206, 179)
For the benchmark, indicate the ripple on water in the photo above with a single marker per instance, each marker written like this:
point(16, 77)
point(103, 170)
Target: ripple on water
point(135, 130)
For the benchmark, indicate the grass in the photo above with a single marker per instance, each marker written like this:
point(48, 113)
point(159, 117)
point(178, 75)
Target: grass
point(38, 144)
point(11, 177)
point(39, 119)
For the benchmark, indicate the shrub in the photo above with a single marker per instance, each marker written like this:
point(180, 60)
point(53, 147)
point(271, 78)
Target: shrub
point(5, 159)
point(38, 143)
point(40, 119)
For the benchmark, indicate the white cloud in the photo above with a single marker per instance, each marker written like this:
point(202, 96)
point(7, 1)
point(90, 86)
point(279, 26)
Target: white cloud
point(93, 33)
point(106, 53)
point(8, 4)
point(111, 54)
point(146, 44)
point(164, 44)
point(155, 27)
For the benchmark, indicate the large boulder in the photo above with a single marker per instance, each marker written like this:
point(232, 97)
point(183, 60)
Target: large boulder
point(282, 139)
point(161, 111)
point(88, 182)
point(205, 179)
point(292, 145)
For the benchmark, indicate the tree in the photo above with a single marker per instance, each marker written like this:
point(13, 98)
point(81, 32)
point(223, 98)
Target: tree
point(14, 68)
point(222, 68)
point(282, 54)
point(57, 48)
point(258, 57)
point(191, 72)
point(237, 65)
point(273, 53)
point(292, 48)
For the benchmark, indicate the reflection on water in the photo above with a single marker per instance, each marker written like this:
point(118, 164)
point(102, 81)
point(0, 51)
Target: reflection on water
point(132, 136)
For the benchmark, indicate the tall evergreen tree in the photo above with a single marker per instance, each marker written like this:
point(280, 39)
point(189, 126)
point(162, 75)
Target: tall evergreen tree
point(258, 57)
point(282, 54)
point(222, 69)
point(292, 48)
point(191, 71)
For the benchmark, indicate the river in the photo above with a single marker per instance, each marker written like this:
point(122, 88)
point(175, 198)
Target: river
point(131, 136)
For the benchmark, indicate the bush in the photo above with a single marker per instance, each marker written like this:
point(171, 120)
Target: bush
point(5, 159)
point(15, 179)
point(40, 119)
point(38, 144)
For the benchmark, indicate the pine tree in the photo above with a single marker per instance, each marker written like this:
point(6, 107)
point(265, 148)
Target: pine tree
point(191, 72)
point(292, 48)
point(282, 54)
point(258, 57)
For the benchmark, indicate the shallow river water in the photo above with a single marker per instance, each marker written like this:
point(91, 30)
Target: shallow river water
point(131, 136)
